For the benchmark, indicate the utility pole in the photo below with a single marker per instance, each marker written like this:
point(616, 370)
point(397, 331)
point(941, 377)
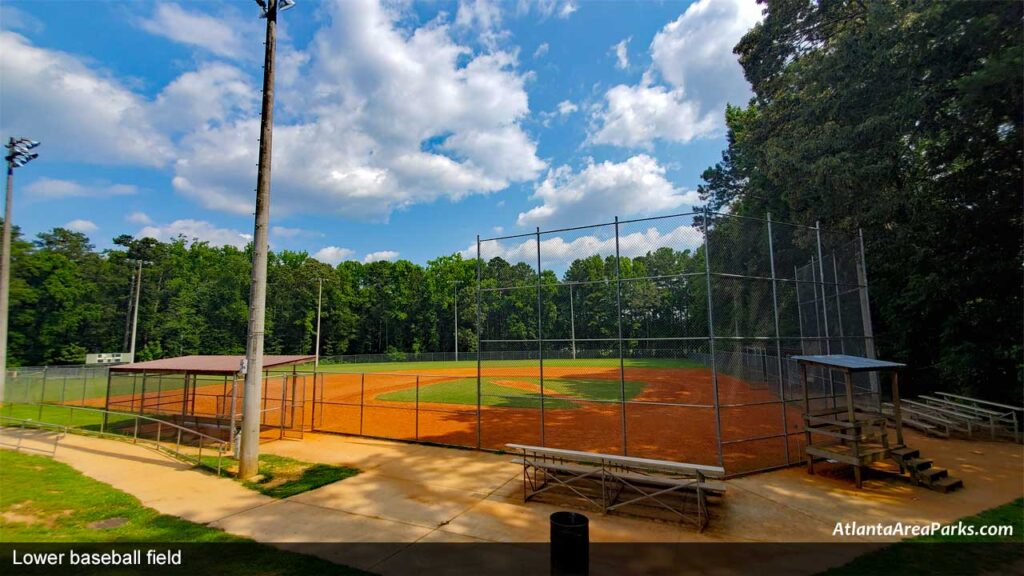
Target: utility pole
point(248, 462)
point(456, 282)
point(572, 321)
point(135, 310)
point(319, 300)
point(17, 156)
point(128, 315)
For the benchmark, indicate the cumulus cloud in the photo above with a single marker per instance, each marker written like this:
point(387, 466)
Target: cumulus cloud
point(692, 76)
point(637, 186)
point(361, 149)
point(53, 188)
point(211, 94)
point(638, 115)
point(79, 113)
point(566, 107)
point(546, 8)
point(83, 226)
point(196, 231)
point(333, 255)
point(139, 218)
point(541, 50)
point(12, 18)
point(559, 251)
point(219, 35)
point(380, 256)
point(622, 54)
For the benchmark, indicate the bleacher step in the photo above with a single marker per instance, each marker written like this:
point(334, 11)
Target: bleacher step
point(947, 484)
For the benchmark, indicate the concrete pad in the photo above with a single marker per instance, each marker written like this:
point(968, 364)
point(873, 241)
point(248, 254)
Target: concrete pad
point(374, 494)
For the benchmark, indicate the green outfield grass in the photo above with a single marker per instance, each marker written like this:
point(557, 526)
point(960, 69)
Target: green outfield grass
point(492, 393)
point(470, 364)
point(62, 415)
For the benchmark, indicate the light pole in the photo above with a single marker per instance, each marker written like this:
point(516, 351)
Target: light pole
point(572, 321)
point(135, 309)
point(17, 156)
point(456, 283)
point(319, 299)
point(248, 462)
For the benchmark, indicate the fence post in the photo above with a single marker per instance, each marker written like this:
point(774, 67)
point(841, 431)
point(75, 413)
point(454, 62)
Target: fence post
point(106, 403)
point(362, 399)
point(711, 335)
point(865, 317)
point(540, 340)
point(778, 339)
point(416, 432)
point(479, 333)
point(622, 361)
point(824, 311)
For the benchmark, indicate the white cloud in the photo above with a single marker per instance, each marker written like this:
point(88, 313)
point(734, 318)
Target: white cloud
point(83, 226)
point(499, 229)
point(361, 149)
point(12, 18)
point(546, 8)
point(693, 56)
point(601, 191)
point(139, 218)
point(285, 232)
point(622, 53)
point(78, 113)
point(333, 255)
point(212, 93)
point(380, 256)
point(196, 230)
point(638, 115)
point(219, 35)
point(567, 107)
point(50, 188)
point(557, 251)
point(483, 16)
point(541, 50)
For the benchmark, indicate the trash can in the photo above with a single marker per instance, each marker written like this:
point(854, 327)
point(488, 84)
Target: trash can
point(570, 544)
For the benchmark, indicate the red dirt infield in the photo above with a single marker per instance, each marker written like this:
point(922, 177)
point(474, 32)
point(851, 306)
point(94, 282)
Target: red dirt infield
point(672, 418)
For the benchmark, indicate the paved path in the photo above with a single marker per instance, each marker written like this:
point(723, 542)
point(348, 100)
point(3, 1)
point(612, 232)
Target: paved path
point(410, 493)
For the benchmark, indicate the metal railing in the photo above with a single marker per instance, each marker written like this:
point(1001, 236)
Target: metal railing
point(167, 434)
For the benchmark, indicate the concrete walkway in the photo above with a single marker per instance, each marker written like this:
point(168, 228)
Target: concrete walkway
point(410, 493)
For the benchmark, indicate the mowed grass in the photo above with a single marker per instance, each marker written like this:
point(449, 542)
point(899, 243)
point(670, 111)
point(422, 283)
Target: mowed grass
point(47, 501)
point(88, 419)
point(282, 476)
point(950, 555)
point(470, 364)
point(494, 393)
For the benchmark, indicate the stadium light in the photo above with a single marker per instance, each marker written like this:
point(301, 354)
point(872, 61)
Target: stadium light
point(18, 155)
point(248, 461)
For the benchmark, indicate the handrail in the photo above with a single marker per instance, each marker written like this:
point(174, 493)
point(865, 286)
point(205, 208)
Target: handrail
point(222, 446)
point(986, 402)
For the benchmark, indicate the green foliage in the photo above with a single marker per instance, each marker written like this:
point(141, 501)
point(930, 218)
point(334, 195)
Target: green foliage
point(903, 119)
point(281, 476)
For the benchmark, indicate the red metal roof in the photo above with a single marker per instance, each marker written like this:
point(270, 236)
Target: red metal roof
point(219, 364)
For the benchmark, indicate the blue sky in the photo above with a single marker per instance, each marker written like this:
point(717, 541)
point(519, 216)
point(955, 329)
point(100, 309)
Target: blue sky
point(402, 130)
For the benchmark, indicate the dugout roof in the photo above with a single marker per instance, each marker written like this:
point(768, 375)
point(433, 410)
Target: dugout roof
point(226, 364)
point(848, 363)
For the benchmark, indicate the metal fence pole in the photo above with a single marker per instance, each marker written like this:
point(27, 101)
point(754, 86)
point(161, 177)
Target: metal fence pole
point(622, 362)
point(839, 307)
point(540, 340)
point(106, 403)
point(362, 399)
point(711, 335)
point(778, 338)
point(824, 311)
point(865, 316)
point(479, 332)
point(416, 432)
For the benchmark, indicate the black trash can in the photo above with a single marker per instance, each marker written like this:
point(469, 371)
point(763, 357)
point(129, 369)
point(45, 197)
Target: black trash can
point(570, 544)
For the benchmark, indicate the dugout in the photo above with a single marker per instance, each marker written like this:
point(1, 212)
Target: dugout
point(205, 392)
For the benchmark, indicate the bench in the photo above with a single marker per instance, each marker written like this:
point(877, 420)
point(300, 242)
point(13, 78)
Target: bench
point(1008, 415)
point(622, 480)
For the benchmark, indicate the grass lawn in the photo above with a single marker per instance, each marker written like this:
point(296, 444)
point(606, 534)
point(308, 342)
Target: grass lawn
point(47, 501)
point(283, 477)
point(940, 555)
point(470, 364)
point(63, 415)
point(493, 393)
